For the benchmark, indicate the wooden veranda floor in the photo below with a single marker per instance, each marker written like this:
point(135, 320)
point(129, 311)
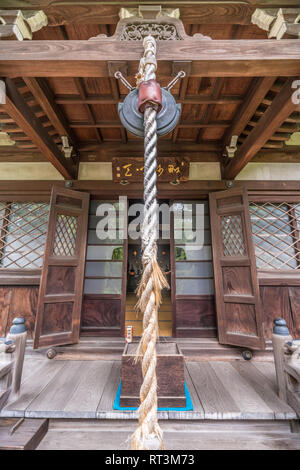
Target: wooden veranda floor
point(231, 390)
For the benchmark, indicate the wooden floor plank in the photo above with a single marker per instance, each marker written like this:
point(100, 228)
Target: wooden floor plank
point(215, 399)
point(32, 366)
point(57, 393)
point(198, 411)
point(94, 440)
point(110, 389)
point(249, 402)
point(179, 435)
point(88, 393)
point(26, 436)
point(32, 387)
point(256, 381)
point(268, 370)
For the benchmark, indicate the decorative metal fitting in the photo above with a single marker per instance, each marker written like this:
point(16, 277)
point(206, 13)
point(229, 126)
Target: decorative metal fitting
point(120, 76)
point(229, 184)
point(173, 82)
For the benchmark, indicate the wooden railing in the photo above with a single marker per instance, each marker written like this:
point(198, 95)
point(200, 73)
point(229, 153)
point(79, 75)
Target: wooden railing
point(287, 364)
point(12, 352)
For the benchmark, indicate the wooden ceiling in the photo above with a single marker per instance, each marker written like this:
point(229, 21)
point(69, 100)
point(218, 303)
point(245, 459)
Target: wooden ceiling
point(41, 110)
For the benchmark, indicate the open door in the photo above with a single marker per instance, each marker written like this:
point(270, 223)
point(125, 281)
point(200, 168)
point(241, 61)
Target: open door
point(236, 285)
point(60, 295)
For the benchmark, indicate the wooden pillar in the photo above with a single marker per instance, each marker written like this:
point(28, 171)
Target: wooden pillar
point(2, 92)
point(18, 334)
point(279, 337)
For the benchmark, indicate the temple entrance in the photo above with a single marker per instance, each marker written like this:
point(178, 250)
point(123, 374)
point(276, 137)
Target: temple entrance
point(134, 272)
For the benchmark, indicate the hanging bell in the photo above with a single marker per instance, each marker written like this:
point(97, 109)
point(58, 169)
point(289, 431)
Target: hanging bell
point(133, 120)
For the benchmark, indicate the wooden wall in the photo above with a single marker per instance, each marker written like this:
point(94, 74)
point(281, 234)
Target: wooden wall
point(195, 316)
point(281, 301)
point(17, 301)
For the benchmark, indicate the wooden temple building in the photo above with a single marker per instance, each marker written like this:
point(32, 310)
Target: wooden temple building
point(235, 152)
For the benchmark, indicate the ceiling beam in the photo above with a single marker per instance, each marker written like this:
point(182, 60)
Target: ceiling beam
point(23, 116)
point(225, 58)
point(186, 99)
point(280, 109)
point(106, 11)
point(183, 124)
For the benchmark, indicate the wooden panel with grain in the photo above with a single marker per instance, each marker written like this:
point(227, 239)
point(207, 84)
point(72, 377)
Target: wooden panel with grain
point(275, 303)
point(60, 279)
point(294, 295)
point(241, 319)
point(16, 301)
point(57, 318)
point(196, 316)
point(101, 312)
point(236, 280)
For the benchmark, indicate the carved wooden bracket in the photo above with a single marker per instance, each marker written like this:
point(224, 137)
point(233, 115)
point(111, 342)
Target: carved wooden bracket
point(163, 25)
point(278, 22)
point(5, 139)
point(115, 66)
point(21, 25)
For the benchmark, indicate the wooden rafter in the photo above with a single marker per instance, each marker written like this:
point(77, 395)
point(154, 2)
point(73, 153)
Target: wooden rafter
point(44, 97)
point(91, 117)
point(280, 109)
point(225, 58)
point(218, 86)
point(257, 91)
point(24, 117)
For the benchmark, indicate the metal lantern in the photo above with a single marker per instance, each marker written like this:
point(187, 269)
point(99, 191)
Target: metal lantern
point(133, 120)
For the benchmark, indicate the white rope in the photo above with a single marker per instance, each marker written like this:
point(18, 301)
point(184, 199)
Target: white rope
point(148, 434)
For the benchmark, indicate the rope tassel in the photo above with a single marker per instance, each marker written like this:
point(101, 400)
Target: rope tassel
point(148, 435)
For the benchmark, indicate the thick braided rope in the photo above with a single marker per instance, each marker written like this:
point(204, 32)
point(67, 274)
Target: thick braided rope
point(148, 434)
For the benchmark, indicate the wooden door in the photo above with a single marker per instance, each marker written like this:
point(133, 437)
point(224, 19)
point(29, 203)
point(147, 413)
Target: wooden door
point(236, 285)
point(60, 295)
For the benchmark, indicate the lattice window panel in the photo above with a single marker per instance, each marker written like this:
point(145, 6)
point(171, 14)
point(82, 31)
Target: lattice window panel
point(65, 235)
point(275, 230)
point(23, 228)
point(232, 235)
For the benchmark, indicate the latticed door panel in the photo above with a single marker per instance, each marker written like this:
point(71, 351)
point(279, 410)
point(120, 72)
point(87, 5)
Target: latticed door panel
point(232, 235)
point(236, 284)
point(61, 288)
point(65, 235)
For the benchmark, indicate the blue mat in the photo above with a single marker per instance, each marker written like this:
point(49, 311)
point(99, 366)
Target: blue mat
point(188, 407)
